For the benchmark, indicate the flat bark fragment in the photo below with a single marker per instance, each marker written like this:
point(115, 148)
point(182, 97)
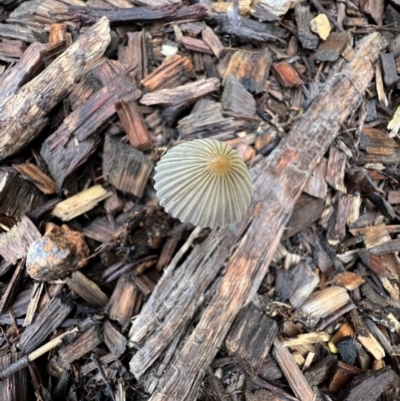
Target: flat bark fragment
point(278, 183)
point(24, 114)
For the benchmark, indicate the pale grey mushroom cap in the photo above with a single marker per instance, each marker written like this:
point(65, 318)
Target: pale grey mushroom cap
point(203, 182)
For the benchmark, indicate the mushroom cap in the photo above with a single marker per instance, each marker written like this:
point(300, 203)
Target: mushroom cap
point(203, 182)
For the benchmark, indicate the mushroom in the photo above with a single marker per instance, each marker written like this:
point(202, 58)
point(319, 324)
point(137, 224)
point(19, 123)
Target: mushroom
point(203, 182)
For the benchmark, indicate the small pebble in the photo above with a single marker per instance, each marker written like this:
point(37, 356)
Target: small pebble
point(59, 252)
point(321, 26)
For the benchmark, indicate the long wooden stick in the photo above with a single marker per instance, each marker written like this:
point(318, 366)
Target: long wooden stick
point(278, 182)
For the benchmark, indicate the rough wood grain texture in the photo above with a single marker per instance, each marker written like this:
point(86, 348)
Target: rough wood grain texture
point(303, 18)
point(83, 127)
point(173, 72)
point(292, 372)
point(81, 346)
point(47, 320)
point(251, 338)
point(278, 182)
point(11, 288)
point(14, 244)
point(18, 196)
point(17, 75)
point(128, 169)
point(24, 114)
point(137, 14)
point(14, 387)
point(87, 289)
point(185, 93)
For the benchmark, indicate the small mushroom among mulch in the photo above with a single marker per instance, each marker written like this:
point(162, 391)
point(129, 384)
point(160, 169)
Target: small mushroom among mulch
point(59, 252)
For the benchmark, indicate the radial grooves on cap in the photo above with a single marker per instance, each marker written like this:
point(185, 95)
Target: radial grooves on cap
point(190, 187)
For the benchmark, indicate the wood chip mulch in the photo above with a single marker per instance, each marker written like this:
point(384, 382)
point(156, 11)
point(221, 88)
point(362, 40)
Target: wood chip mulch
point(104, 296)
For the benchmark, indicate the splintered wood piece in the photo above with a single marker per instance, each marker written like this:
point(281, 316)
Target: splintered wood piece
point(251, 69)
point(390, 77)
point(296, 284)
point(171, 13)
point(321, 370)
point(332, 48)
point(32, 173)
point(348, 280)
point(213, 42)
point(11, 288)
point(135, 53)
point(342, 376)
point(87, 289)
point(325, 302)
point(373, 235)
point(382, 95)
point(381, 335)
point(383, 265)
point(250, 338)
point(361, 181)
point(14, 387)
point(11, 50)
point(30, 34)
point(101, 230)
point(336, 169)
point(36, 293)
point(104, 361)
point(181, 94)
point(14, 244)
point(24, 118)
point(124, 300)
point(173, 72)
point(236, 98)
point(114, 340)
point(85, 343)
point(18, 308)
point(365, 337)
point(132, 121)
point(51, 52)
point(78, 136)
point(207, 123)
point(387, 247)
point(278, 180)
point(29, 63)
point(292, 373)
point(306, 211)
point(373, 8)
point(249, 29)
point(287, 75)
point(46, 321)
point(58, 34)
point(195, 45)
point(80, 203)
point(377, 142)
point(337, 225)
point(18, 196)
point(372, 383)
point(303, 17)
point(126, 168)
point(306, 339)
point(316, 185)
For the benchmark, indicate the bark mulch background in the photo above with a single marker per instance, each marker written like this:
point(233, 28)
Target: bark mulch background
point(104, 296)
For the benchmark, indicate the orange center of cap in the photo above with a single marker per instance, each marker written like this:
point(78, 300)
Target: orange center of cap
point(220, 165)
